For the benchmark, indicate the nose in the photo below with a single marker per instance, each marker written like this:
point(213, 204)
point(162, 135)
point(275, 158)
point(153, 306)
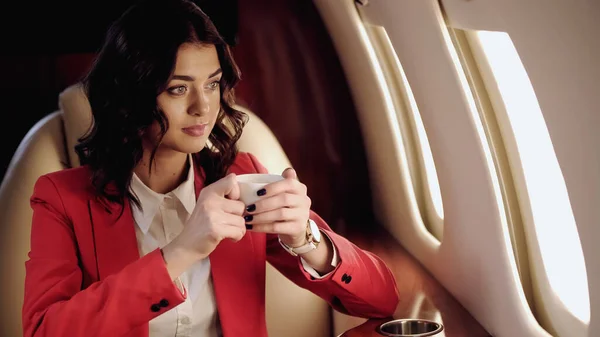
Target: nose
point(200, 105)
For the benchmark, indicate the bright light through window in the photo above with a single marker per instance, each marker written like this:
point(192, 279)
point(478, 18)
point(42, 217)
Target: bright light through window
point(430, 172)
point(553, 219)
point(431, 178)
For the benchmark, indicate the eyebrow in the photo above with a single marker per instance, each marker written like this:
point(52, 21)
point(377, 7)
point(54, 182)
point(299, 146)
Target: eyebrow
point(191, 79)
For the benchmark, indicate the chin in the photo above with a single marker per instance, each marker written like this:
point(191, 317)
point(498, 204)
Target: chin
point(191, 149)
point(188, 146)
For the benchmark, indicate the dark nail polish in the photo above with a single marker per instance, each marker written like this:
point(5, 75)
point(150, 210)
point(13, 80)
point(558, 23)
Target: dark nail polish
point(248, 218)
point(251, 208)
point(261, 192)
point(248, 226)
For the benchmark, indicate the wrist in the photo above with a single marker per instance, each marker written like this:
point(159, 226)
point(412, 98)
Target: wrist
point(309, 240)
point(294, 241)
point(178, 259)
point(173, 251)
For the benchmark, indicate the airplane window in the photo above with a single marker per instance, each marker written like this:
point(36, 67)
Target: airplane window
point(431, 198)
point(543, 197)
point(433, 185)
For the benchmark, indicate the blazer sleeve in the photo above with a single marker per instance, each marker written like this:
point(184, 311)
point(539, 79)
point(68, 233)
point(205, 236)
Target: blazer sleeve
point(55, 304)
point(360, 285)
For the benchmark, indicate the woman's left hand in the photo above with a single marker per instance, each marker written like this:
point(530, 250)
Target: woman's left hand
point(283, 209)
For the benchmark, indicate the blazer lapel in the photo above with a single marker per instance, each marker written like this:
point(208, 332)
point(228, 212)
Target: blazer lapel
point(238, 288)
point(114, 237)
point(238, 276)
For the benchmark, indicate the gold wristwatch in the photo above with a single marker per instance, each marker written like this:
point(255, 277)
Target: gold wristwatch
point(313, 238)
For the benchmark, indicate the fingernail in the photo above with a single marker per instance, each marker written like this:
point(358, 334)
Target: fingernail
point(261, 192)
point(248, 226)
point(251, 208)
point(248, 218)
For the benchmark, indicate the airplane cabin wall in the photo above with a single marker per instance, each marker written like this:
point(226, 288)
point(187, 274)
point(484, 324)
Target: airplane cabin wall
point(474, 258)
point(559, 46)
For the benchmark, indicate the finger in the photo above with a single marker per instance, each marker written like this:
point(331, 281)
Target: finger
point(284, 227)
point(227, 187)
point(279, 201)
point(232, 220)
point(286, 185)
point(234, 233)
point(235, 207)
point(277, 215)
point(289, 173)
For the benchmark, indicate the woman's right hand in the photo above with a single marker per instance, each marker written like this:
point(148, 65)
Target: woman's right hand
point(218, 215)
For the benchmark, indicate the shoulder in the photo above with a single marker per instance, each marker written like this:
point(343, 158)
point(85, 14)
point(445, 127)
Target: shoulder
point(246, 162)
point(67, 182)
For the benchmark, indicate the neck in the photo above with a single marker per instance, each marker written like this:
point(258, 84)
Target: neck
point(169, 170)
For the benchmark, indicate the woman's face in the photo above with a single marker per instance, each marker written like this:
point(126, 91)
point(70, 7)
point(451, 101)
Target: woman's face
point(191, 101)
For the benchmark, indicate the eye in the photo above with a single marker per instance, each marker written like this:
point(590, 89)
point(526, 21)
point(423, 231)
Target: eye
point(214, 85)
point(178, 90)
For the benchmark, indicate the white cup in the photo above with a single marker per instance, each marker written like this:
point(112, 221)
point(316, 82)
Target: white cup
point(251, 183)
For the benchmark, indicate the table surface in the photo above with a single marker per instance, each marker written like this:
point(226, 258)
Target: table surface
point(421, 295)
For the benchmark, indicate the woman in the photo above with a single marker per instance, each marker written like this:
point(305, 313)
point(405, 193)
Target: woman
point(148, 237)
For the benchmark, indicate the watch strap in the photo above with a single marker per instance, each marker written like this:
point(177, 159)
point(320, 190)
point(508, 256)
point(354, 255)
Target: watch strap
point(310, 244)
point(295, 251)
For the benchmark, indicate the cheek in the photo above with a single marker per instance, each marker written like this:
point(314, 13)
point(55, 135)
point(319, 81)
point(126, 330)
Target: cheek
point(171, 109)
point(174, 113)
point(152, 134)
point(215, 105)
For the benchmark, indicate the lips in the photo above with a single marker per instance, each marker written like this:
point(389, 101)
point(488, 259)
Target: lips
point(195, 130)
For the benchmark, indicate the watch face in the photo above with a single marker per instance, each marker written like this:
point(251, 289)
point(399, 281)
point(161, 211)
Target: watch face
point(314, 229)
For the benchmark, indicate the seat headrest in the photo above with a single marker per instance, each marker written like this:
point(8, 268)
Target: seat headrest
point(77, 117)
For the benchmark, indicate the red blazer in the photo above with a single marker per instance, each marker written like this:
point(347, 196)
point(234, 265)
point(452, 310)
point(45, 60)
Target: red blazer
point(85, 277)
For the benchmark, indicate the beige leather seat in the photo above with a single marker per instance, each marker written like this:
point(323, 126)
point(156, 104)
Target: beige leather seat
point(48, 147)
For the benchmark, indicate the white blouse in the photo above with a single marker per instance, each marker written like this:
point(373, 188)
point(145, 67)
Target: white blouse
point(161, 220)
